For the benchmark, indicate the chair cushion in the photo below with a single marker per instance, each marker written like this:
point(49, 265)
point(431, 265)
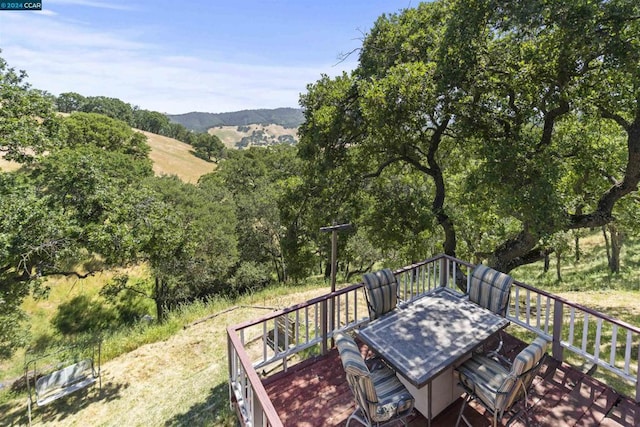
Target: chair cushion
point(496, 386)
point(490, 289)
point(378, 392)
point(530, 356)
point(488, 380)
point(350, 355)
point(393, 397)
point(523, 367)
point(358, 375)
point(382, 292)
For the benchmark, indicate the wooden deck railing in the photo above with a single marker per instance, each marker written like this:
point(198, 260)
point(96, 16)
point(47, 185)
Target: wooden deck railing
point(595, 337)
point(440, 271)
point(272, 342)
point(276, 341)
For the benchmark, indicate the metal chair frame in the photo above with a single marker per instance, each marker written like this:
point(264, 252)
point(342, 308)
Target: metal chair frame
point(361, 414)
point(520, 389)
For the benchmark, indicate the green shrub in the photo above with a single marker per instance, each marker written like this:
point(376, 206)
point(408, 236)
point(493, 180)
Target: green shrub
point(82, 314)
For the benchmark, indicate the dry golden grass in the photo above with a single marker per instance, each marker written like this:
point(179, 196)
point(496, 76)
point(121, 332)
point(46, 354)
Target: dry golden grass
point(42, 311)
point(8, 166)
point(229, 135)
point(172, 157)
point(169, 156)
point(179, 381)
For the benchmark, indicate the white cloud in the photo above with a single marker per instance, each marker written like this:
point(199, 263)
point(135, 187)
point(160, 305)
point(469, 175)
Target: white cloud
point(61, 57)
point(46, 12)
point(89, 3)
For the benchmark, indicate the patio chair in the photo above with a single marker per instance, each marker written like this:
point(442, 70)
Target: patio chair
point(491, 289)
point(497, 388)
point(381, 292)
point(380, 396)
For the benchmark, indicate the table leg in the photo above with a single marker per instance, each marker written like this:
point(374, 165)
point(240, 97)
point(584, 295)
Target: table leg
point(429, 389)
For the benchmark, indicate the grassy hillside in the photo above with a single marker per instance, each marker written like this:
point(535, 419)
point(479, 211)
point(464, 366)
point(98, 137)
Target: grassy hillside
point(200, 122)
point(172, 157)
point(255, 134)
point(170, 374)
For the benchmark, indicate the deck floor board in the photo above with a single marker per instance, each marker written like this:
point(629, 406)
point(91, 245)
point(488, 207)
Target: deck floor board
point(318, 395)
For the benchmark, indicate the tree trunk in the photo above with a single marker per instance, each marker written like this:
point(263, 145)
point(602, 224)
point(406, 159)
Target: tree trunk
point(285, 275)
point(283, 266)
point(547, 263)
point(359, 271)
point(607, 245)
point(558, 261)
point(278, 265)
point(577, 237)
point(617, 239)
point(522, 249)
point(434, 171)
point(437, 206)
point(159, 296)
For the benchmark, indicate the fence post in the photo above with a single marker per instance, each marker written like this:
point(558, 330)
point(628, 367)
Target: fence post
point(323, 325)
point(638, 378)
point(230, 356)
point(443, 272)
point(558, 318)
point(258, 413)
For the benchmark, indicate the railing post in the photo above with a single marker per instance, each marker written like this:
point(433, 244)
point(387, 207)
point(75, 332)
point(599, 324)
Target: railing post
point(558, 318)
point(258, 413)
point(638, 378)
point(323, 325)
point(231, 373)
point(443, 272)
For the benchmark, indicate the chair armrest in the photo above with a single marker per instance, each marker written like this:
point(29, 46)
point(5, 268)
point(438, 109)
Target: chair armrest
point(485, 387)
point(375, 363)
point(499, 358)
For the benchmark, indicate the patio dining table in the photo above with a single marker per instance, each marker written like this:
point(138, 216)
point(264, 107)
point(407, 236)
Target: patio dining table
point(425, 340)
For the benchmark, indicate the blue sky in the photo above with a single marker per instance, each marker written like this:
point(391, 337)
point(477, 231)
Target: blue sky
point(180, 56)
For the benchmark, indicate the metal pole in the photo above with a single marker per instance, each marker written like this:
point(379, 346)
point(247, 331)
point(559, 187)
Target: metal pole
point(334, 258)
point(334, 266)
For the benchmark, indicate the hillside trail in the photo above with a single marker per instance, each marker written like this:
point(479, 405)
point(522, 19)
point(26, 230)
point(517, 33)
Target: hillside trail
point(172, 382)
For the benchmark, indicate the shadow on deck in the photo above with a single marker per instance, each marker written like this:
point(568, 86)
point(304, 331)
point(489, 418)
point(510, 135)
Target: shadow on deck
point(317, 394)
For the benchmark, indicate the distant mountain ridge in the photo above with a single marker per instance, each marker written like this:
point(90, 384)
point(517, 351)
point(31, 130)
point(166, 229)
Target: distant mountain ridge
point(286, 117)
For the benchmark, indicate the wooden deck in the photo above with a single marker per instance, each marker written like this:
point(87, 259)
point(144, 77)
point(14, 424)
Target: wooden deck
point(317, 394)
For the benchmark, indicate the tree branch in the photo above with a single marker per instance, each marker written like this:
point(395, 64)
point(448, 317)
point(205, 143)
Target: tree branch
point(615, 117)
point(549, 122)
point(382, 167)
point(70, 273)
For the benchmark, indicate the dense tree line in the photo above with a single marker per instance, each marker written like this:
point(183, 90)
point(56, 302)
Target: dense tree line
point(207, 146)
point(200, 122)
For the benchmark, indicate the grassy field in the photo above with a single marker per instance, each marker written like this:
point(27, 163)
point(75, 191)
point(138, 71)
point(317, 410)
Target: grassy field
point(171, 374)
point(172, 157)
point(589, 282)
